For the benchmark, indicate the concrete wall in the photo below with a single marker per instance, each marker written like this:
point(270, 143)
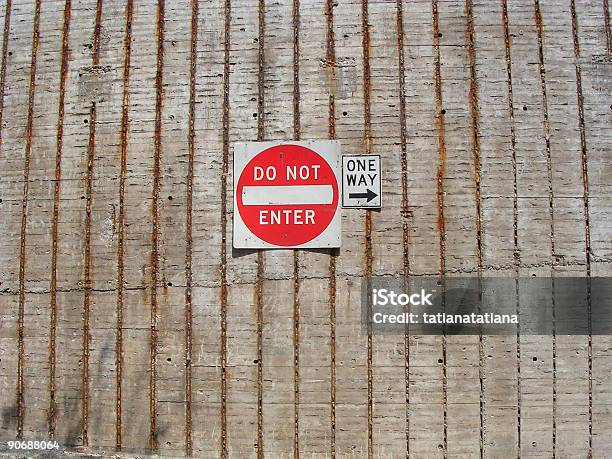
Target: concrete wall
point(126, 319)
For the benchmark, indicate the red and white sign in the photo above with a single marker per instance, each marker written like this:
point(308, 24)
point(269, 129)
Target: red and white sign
point(286, 195)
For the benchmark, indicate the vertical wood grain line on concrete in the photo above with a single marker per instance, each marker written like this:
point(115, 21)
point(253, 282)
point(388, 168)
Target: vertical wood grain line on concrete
point(91, 146)
point(367, 139)
point(188, 230)
point(404, 208)
point(517, 261)
point(125, 107)
point(585, 201)
point(159, 95)
point(475, 145)
point(296, 255)
point(261, 259)
point(542, 71)
point(223, 267)
point(440, 198)
point(5, 39)
point(330, 58)
point(55, 222)
point(24, 216)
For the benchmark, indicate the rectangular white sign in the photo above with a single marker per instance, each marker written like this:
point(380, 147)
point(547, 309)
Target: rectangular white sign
point(361, 183)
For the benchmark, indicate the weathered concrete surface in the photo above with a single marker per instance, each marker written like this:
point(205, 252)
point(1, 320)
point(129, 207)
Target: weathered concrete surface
point(127, 320)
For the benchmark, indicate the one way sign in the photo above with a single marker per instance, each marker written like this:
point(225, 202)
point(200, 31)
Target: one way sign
point(361, 181)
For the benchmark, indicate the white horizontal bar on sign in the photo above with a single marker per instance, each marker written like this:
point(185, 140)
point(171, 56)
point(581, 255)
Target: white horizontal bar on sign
point(287, 195)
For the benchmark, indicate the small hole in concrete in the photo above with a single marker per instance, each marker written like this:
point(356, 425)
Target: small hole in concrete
point(344, 113)
point(10, 53)
point(169, 284)
point(254, 115)
point(535, 359)
point(169, 359)
point(439, 360)
point(524, 108)
point(439, 34)
point(169, 198)
point(443, 111)
point(255, 40)
point(533, 275)
point(255, 361)
point(85, 121)
point(82, 197)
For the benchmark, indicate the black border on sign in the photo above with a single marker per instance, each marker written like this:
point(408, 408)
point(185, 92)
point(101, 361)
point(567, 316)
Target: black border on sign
point(379, 183)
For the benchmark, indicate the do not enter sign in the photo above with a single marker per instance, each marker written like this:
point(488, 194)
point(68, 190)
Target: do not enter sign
point(286, 194)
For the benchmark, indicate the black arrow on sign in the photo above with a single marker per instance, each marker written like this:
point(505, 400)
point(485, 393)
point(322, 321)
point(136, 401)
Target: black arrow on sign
point(369, 195)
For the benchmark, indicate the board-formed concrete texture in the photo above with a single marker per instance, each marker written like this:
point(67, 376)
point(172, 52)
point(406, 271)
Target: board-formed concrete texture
point(127, 320)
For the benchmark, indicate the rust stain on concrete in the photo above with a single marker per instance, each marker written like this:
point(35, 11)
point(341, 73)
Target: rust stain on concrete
point(330, 53)
point(223, 266)
point(404, 208)
point(515, 246)
point(91, 146)
point(584, 169)
point(606, 12)
point(296, 253)
point(125, 107)
point(189, 232)
point(367, 139)
point(24, 216)
point(88, 273)
point(261, 258)
point(440, 176)
point(159, 97)
point(475, 145)
point(5, 42)
point(52, 413)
